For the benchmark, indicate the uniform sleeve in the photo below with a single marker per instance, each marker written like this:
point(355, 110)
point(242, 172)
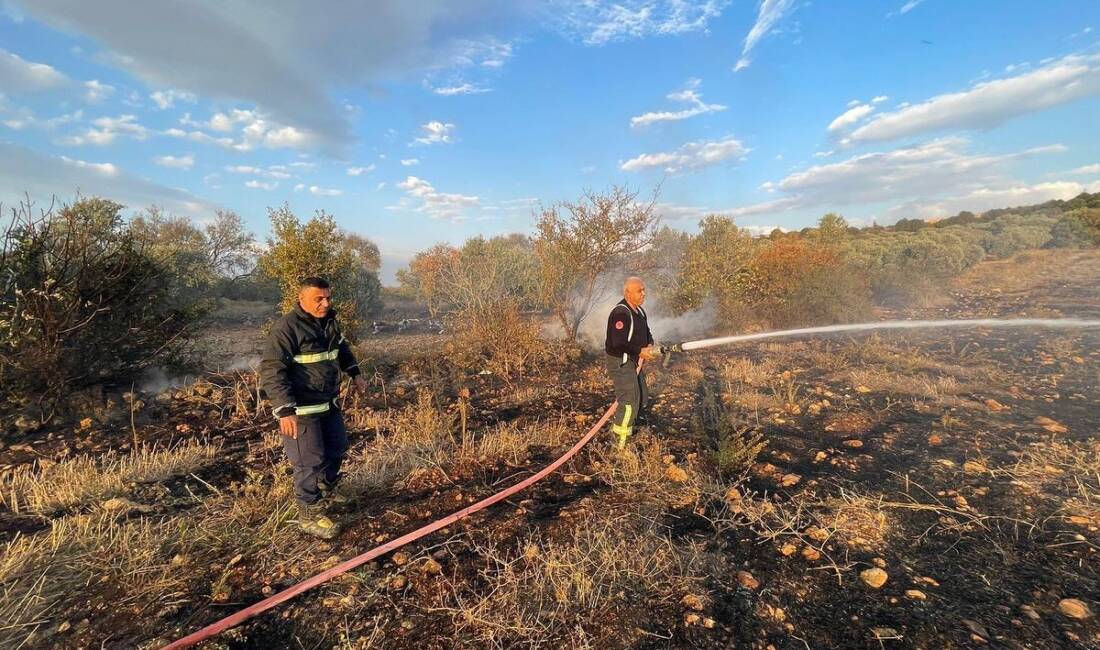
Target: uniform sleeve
point(618, 328)
point(648, 334)
point(275, 370)
point(346, 358)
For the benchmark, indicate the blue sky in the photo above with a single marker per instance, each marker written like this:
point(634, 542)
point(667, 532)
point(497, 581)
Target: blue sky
point(423, 122)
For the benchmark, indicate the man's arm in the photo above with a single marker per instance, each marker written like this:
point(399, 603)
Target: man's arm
point(346, 358)
point(275, 371)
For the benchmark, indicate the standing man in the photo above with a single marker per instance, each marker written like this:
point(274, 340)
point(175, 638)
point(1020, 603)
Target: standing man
point(629, 345)
point(300, 372)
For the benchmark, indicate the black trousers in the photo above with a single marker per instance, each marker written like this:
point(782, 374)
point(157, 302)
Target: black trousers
point(630, 391)
point(316, 453)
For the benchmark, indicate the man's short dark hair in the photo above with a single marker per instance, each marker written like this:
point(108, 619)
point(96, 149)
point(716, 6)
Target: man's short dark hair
point(313, 282)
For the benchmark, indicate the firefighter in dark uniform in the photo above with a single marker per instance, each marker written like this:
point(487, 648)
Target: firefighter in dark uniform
point(629, 345)
point(300, 372)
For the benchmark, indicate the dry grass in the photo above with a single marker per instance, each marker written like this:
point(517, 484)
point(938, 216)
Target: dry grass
point(917, 385)
point(45, 574)
point(49, 488)
point(542, 591)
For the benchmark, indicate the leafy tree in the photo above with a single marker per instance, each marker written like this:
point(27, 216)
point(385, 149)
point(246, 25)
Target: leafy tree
point(319, 247)
point(1080, 227)
point(715, 265)
point(577, 242)
point(831, 229)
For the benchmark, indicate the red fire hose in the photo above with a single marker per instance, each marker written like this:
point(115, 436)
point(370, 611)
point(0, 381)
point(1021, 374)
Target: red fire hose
point(285, 595)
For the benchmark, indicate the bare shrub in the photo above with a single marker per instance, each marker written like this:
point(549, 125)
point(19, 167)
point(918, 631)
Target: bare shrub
point(577, 242)
point(82, 303)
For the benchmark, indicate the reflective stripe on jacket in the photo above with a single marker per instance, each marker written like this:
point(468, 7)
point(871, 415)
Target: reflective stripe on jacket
point(303, 358)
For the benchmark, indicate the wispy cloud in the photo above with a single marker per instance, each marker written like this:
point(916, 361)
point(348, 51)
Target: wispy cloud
point(438, 205)
point(597, 22)
point(359, 171)
point(1087, 169)
point(409, 162)
point(943, 167)
point(43, 176)
point(689, 96)
point(176, 162)
point(261, 185)
point(770, 14)
point(435, 132)
point(106, 129)
point(991, 103)
point(693, 155)
point(460, 89)
point(96, 91)
point(324, 191)
point(19, 75)
point(849, 118)
point(167, 98)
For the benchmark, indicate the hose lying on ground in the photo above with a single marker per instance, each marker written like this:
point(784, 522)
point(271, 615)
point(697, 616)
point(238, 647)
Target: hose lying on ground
point(285, 595)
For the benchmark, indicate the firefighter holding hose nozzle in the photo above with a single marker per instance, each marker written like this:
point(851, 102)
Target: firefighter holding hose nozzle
point(300, 372)
point(629, 345)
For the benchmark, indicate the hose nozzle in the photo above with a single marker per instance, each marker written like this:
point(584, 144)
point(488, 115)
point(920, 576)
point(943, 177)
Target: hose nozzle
point(666, 352)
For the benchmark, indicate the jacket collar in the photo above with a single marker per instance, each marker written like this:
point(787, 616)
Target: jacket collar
point(637, 310)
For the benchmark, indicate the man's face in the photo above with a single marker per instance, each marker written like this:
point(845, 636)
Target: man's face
point(635, 293)
point(315, 302)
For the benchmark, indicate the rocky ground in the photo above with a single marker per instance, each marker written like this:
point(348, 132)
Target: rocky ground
point(917, 490)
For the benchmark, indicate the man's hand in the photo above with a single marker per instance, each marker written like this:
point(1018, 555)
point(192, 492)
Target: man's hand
point(359, 384)
point(288, 426)
point(649, 353)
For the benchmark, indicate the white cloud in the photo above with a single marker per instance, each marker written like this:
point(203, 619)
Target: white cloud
point(282, 59)
point(460, 89)
point(167, 98)
point(692, 155)
point(988, 198)
point(909, 6)
point(598, 22)
point(107, 129)
point(299, 187)
point(823, 154)
point(991, 103)
point(43, 176)
point(359, 171)
point(176, 162)
point(96, 91)
point(256, 130)
point(436, 204)
point(261, 185)
point(943, 167)
point(409, 162)
point(274, 171)
point(19, 118)
point(1087, 169)
point(19, 75)
point(848, 118)
point(689, 96)
point(435, 132)
point(771, 12)
point(879, 99)
point(381, 186)
point(322, 191)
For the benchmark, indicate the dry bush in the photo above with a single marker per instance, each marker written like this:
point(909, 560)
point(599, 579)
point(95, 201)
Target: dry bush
point(644, 470)
point(46, 489)
point(744, 371)
point(494, 337)
point(855, 520)
point(538, 594)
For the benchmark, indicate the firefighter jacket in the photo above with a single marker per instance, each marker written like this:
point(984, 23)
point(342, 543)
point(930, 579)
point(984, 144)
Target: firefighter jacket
point(300, 370)
point(627, 332)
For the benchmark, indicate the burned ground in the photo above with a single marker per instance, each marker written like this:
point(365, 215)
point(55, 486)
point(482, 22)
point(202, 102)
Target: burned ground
point(962, 466)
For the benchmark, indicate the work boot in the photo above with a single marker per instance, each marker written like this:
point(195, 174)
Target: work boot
point(312, 519)
point(332, 494)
